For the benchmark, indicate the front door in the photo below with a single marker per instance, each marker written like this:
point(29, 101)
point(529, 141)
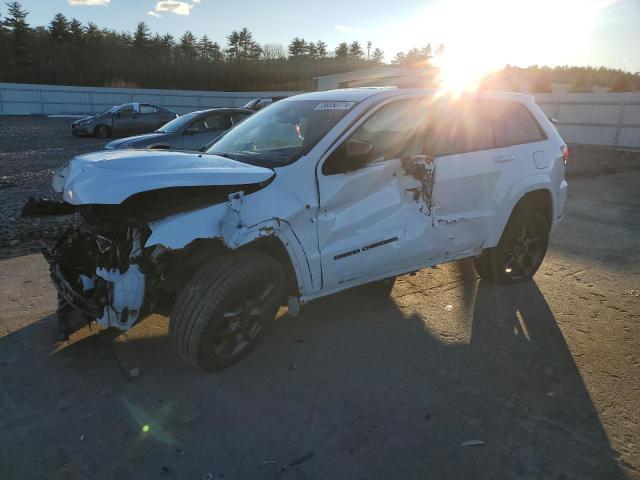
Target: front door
point(125, 120)
point(375, 221)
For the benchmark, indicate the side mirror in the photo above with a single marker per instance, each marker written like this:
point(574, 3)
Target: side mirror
point(358, 154)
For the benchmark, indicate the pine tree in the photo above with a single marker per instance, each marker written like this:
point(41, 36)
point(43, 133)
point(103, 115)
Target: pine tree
point(378, 56)
point(342, 51)
point(16, 23)
point(188, 46)
point(322, 49)
point(233, 40)
point(141, 36)
point(297, 48)
point(59, 29)
point(355, 51)
point(76, 32)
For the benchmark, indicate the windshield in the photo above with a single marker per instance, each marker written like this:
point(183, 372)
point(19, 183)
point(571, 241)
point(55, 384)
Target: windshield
point(280, 134)
point(177, 124)
point(108, 110)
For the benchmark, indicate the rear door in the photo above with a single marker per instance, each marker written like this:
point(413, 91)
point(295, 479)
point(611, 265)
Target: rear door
point(467, 173)
point(148, 118)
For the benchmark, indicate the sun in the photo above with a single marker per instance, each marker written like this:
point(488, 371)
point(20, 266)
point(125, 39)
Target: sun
point(483, 36)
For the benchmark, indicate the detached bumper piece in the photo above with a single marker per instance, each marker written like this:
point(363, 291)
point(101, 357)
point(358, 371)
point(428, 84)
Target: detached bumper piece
point(46, 206)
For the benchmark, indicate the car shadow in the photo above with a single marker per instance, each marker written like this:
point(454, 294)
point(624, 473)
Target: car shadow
point(355, 387)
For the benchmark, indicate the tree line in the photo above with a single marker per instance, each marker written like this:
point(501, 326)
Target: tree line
point(66, 52)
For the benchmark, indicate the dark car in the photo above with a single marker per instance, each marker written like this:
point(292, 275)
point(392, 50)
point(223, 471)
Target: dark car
point(192, 131)
point(127, 119)
point(260, 103)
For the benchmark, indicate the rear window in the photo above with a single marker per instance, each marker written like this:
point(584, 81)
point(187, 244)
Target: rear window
point(514, 124)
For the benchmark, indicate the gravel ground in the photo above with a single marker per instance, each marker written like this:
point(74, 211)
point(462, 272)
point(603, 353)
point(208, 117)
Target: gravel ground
point(31, 148)
point(449, 378)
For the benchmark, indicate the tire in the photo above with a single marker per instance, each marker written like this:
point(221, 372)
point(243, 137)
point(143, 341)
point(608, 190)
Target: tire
point(220, 314)
point(102, 131)
point(520, 251)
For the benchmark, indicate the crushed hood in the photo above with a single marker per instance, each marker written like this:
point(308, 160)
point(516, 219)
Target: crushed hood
point(110, 177)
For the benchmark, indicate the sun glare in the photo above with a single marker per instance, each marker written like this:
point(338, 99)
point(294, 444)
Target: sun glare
point(480, 37)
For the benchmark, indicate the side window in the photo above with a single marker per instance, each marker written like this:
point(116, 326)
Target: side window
point(144, 108)
point(514, 124)
point(459, 127)
point(209, 123)
point(126, 111)
point(236, 118)
point(395, 130)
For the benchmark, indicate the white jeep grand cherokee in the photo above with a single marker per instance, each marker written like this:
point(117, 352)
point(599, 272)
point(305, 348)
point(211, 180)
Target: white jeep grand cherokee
point(317, 193)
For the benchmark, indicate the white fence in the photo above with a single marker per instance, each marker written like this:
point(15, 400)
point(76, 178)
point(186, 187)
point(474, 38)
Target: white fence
point(611, 119)
point(28, 99)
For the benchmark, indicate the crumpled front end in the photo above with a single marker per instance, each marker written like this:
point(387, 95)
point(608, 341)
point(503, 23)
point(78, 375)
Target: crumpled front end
point(96, 270)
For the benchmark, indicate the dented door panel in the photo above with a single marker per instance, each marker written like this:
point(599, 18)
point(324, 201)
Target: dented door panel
point(465, 198)
point(371, 222)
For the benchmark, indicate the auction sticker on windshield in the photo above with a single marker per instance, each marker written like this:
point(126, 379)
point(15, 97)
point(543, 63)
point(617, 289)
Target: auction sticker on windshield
point(334, 105)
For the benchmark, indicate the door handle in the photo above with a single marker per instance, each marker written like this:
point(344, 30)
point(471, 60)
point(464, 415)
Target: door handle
point(503, 158)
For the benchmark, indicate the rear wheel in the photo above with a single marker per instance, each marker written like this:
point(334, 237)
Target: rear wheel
point(102, 131)
point(221, 313)
point(520, 252)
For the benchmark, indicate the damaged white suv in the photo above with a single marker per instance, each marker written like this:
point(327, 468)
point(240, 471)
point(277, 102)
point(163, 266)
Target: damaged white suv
point(317, 193)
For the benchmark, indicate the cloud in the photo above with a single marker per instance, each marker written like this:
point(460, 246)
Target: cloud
point(174, 6)
point(344, 28)
point(90, 3)
point(154, 14)
point(197, 1)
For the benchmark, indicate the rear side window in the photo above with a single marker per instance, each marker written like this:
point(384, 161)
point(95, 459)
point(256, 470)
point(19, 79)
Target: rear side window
point(236, 118)
point(459, 127)
point(146, 108)
point(514, 124)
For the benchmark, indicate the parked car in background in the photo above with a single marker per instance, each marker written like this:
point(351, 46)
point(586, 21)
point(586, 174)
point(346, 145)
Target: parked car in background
point(127, 119)
point(260, 103)
point(192, 131)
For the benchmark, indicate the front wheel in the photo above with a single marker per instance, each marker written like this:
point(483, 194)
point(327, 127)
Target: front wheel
point(520, 251)
point(102, 131)
point(221, 313)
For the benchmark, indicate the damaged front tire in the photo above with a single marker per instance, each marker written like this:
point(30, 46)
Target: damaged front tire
point(221, 313)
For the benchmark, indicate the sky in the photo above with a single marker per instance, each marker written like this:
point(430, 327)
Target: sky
point(479, 34)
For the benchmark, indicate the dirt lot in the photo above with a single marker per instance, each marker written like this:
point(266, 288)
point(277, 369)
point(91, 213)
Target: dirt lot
point(545, 374)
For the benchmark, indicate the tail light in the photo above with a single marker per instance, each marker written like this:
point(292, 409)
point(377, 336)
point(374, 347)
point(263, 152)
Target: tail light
point(565, 153)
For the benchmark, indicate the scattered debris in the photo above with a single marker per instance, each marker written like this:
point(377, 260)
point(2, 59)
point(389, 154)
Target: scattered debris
point(134, 372)
point(448, 308)
point(302, 459)
point(165, 469)
point(269, 462)
point(207, 476)
point(472, 443)
point(82, 437)
point(550, 394)
point(293, 366)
